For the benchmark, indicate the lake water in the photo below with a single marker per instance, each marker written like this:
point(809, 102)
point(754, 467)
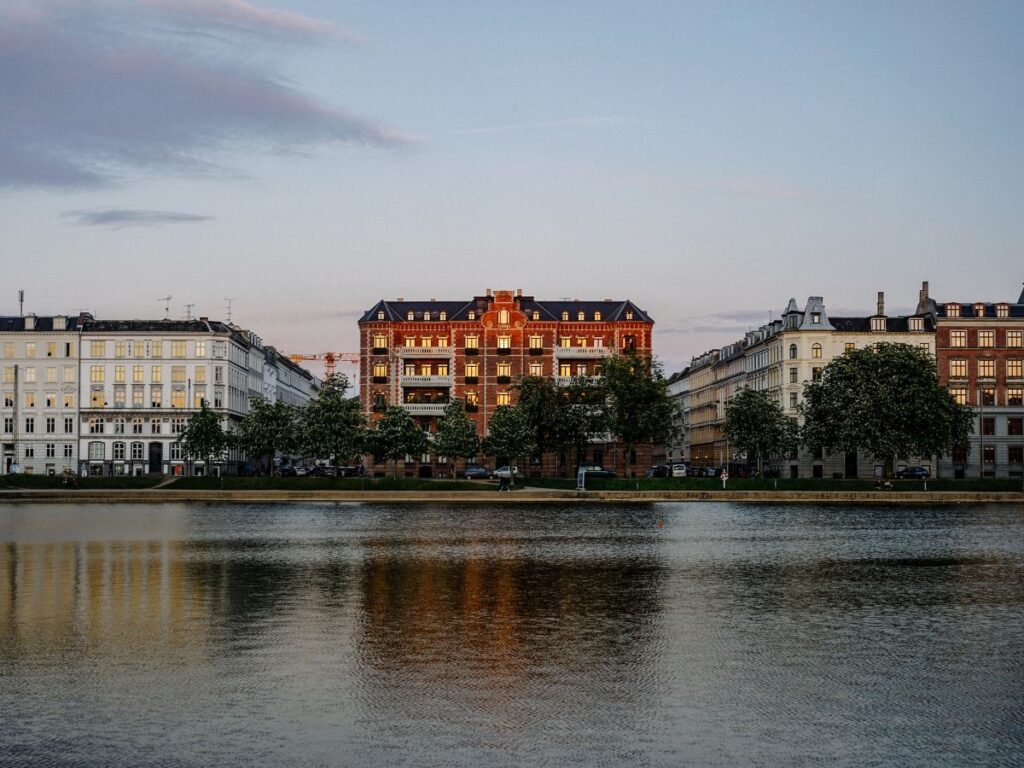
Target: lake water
point(375, 635)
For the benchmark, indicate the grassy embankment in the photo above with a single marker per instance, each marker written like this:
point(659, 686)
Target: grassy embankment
point(52, 482)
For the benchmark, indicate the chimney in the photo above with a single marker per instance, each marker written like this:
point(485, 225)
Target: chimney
point(30, 322)
point(519, 293)
point(922, 295)
point(881, 303)
point(488, 293)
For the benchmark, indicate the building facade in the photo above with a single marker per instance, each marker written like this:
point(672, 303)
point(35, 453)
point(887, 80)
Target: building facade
point(980, 356)
point(422, 354)
point(39, 383)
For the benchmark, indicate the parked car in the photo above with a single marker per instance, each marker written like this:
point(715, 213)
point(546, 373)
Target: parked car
point(322, 471)
point(508, 473)
point(913, 473)
point(288, 472)
point(595, 471)
point(301, 471)
point(476, 472)
point(658, 470)
point(679, 470)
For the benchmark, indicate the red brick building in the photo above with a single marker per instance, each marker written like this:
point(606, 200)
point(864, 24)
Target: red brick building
point(421, 354)
point(979, 348)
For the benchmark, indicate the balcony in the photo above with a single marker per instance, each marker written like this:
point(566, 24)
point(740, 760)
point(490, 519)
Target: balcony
point(588, 353)
point(536, 351)
point(504, 351)
point(426, 381)
point(445, 352)
point(425, 409)
point(471, 351)
point(380, 379)
point(472, 407)
point(380, 350)
point(472, 380)
point(564, 381)
point(504, 380)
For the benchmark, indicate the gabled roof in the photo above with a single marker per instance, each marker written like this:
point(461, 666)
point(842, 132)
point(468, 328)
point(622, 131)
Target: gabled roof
point(397, 311)
point(967, 308)
point(42, 323)
point(863, 324)
point(611, 311)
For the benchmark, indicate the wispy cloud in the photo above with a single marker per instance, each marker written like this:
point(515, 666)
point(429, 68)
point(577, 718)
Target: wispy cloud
point(94, 91)
point(573, 122)
point(119, 218)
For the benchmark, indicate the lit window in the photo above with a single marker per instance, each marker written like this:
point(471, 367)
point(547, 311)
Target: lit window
point(581, 316)
point(1002, 310)
point(1015, 396)
point(472, 342)
point(916, 324)
point(986, 338)
point(119, 374)
point(380, 314)
point(442, 341)
point(119, 349)
point(178, 374)
point(958, 339)
point(565, 342)
point(380, 370)
point(536, 369)
point(97, 374)
point(504, 342)
point(952, 310)
point(503, 317)
point(979, 310)
point(629, 314)
point(959, 395)
point(565, 315)
point(986, 369)
point(536, 315)
point(380, 341)
point(850, 346)
point(1014, 369)
point(471, 315)
point(816, 351)
point(156, 374)
point(410, 315)
point(958, 369)
point(97, 349)
point(442, 315)
point(1015, 339)
point(536, 342)
point(178, 398)
point(504, 398)
point(157, 349)
point(597, 315)
point(565, 369)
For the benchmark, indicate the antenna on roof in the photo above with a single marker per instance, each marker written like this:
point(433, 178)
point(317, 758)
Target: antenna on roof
point(228, 307)
point(188, 311)
point(565, 298)
point(21, 302)
point(167, 306)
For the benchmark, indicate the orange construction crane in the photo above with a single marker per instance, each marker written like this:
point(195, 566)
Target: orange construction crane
point(330, 359)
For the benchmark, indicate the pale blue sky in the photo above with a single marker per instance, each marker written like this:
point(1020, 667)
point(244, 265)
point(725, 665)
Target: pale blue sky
point(707, 160)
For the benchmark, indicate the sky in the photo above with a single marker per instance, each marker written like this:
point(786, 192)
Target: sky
point(708, 160)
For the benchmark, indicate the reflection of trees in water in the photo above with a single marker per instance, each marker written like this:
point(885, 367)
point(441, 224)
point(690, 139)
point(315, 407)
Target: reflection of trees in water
point(475, 631)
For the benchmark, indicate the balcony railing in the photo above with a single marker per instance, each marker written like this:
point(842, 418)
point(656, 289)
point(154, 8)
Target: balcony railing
point(425, 351)
point(425, 409)
point(564, 381)
point(426, 381)
point(590, 353)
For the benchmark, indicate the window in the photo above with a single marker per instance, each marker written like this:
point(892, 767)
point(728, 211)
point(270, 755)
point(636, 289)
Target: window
point(218, 374)
point(1015, 396)
point(157, 349)
point(597, 315)
point(565, 369)
point(504, 398)
point(69, 425)
point(380, 314)
point(119, 349)
point(69, 349)
point(1015, 425)
point(988, 396)
point(380, 341)
point(8, 424)
point(536, 369)
point(177, 349)
point(952, 310)
point(565, 316)
point(442, 341)
point(581, 316)
point(8, 399)
point(793, 374)
point(380, 370)
point(118, 451)
point(1015, 454)
point(96, 426)
point(51, 375)
point(30, 375)
point(198, 398)
point(178, 398)
point(503, 317)
point(536, 315)
point(30, 399)
point(581, 341)
point(138, 397)
point(1014, 369)
point(472, 398)
point(410, 315)
point(51, 349)
point(97, 349)
point(96, 452)
point(988, 426)
point(472, 342)
point(426, 341)
point(471, 315)
point(30, 349)
point(986, 369)
point(988, 454)
point(986, 338)
point(504, 342)
point(979, 310)
point(119, 374)
point(816, 351)
point(629, 314)
point(51, 425)
point(958, 339)
point(958, 369)
point(792, 399)
point(156, 397)
point(8, 349)
point(816, 374)
point(119, 426)
point(1015, 339)
point(30, 451)
point(442, 315)
point(137, 449)
point(156, 374)
point(137, 426)
point(200, 349)
point(598, 341)
point(536, 342)
point(504, 369)
point(916, 324)
point(178, 425)
point(850, 346)
point(472, 369)
point(69, 450)
point(177, 374)
point(9, 375)
point(97, 398)
point(51, 399)
point(138, 376)
point(96, 374)
point(69, 374)
point(792, 351)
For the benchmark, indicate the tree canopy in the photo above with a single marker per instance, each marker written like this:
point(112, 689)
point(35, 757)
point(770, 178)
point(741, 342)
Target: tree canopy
point(267, 429)
point(756, 425)
point(395, 435)
point(560, 417)
point(204, 437)
point(332, 424)
point(886, 400)
point(456, 435)
point(637, 405)
point(509, 434)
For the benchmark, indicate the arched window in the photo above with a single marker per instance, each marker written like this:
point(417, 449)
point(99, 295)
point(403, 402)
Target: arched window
point(503, 317)
point(597, 315)
point(792, 351)
point(380, 314)
point(581, 316)
point(816, 350)
point(565, 315)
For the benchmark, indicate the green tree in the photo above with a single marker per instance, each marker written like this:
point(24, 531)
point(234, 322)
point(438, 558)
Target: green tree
point(267, 429)
point(456, 435)
point(396, 434)
point(886, 400)
point(756, 424)
point(509, 434)
point(332, 424)
point(637, 406)
point(204, 437)
point(561, 417)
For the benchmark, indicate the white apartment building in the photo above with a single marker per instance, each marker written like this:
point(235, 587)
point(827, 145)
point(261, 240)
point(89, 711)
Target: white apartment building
point(38, 380)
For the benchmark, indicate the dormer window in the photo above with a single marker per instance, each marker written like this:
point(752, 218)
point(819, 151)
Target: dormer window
point(916, 324)
point(536, 315)
point(952, 310)
point(979, 310)
point(565, 316)
point(442, 315)
point(581, 316)
point(629, 314)
point(597, 316)
point(471, 315)
point(410, 315)
point(816, 318)
point(1002, 310)
point(380, 314)
point(877, 323)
